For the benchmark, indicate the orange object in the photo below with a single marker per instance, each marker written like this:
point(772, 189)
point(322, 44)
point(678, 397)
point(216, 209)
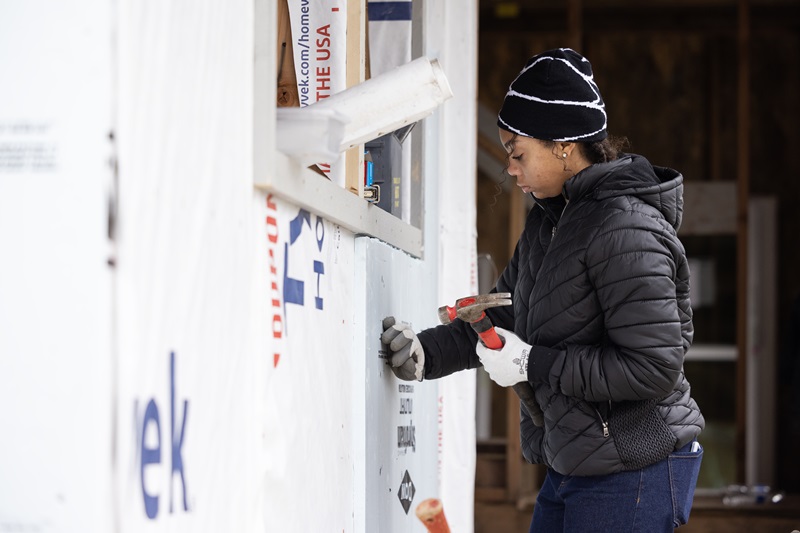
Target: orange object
point(431, 513)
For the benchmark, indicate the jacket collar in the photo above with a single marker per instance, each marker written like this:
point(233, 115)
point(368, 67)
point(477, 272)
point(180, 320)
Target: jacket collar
point(631, 175)
point(552, 207)
point(590, 178)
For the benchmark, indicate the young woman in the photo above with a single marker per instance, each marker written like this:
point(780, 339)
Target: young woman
point(601, 318)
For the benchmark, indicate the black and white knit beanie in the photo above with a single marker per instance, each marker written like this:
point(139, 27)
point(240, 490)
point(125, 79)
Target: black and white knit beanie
point(555, 98)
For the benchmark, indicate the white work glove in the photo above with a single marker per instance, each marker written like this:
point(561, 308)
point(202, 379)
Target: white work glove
point(406, 357)
point(508, 365)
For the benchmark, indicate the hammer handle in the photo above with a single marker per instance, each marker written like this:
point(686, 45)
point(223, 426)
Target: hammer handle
point(485, 330)
point(526, 397)
point(483, 326)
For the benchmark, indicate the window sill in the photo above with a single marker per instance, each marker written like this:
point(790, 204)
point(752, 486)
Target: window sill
point(307, 189)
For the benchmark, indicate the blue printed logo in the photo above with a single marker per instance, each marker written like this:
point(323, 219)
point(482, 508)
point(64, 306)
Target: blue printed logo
point(150, 454)
point(294, 289)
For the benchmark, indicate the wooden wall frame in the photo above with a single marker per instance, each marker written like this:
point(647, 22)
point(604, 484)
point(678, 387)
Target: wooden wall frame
point(276, 173)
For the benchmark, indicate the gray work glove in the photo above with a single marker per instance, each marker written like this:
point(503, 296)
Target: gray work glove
point(406, 357)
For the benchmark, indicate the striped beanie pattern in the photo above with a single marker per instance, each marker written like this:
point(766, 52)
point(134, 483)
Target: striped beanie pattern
point(555, 98)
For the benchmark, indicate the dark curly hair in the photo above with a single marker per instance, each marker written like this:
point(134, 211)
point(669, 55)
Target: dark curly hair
point(601, 151)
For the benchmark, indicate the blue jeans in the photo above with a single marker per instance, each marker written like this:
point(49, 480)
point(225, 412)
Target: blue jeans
point(654, 499)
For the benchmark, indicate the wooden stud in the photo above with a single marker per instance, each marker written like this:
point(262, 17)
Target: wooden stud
point(513, 446)
point(715, 114)
point(286, 75)
point(516, 219)
point(575, 24)
point(356, 25)
point(743, 193)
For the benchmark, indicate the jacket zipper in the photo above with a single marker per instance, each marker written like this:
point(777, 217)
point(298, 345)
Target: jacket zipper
point(603, 422)
point(555, 226)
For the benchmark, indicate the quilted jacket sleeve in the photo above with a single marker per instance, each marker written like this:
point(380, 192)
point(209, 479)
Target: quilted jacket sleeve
point(640, 276)
point(531, 437)
point(449, 348)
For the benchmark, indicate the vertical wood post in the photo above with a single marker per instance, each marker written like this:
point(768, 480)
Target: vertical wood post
point(575, 25)
point(513, 447)
point(714, 107)
point(287, 78)
point(356, 61)
point(743, 190)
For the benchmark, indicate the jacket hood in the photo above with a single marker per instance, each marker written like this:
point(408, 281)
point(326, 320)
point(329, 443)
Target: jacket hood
point(632, 175)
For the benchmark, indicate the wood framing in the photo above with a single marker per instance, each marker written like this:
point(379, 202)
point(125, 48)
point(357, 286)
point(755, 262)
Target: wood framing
point(575, 24)
point(356, 61)
point(743, 192)
point(287, 77)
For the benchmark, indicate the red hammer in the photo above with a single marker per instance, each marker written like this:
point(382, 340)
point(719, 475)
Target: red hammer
point(472, 309)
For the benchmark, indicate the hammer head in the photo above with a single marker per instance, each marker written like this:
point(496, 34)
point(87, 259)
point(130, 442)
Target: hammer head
point(471, 308)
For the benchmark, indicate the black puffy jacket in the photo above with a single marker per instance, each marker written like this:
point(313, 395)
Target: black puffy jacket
point(600, 286)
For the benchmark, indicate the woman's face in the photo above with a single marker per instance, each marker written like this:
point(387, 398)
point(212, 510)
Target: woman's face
point(536, 165)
